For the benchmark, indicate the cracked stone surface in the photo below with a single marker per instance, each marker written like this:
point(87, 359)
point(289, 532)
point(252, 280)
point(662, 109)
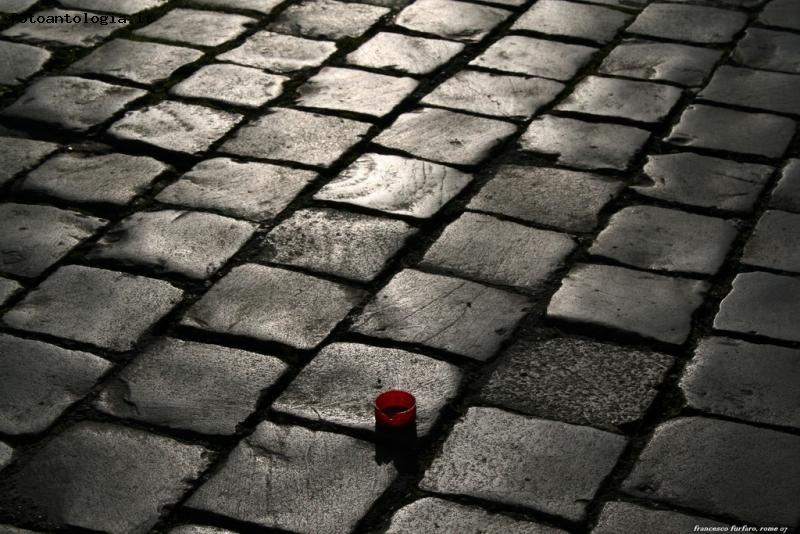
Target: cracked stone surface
point(557, 472)
point(317, 394)
point(563, 199)
point(775, 242)
point(84, 34)
point(67, 481)
point(568, 19)
point(353, 246)
point(328, 19)
point(36, 237)
point(72, 103)
point(273, 304)
point(445, 136)
point(619, 517)
point(699, 24)
point(104, 308)
point(196, 27)
point(296, 467)
point(769, 50)
point(182, 384)
point(396, 185)
point(536, 57)
point(442, 312)
point(39, 381)
point(255, 191)
point(451, 19)
point(577, 381)
point(694, 462)
point(745, 381)
point(769, 91)
point(124, 7)
point(232, 84)
point(20, 61)
point(8, 288)
point(279, 53)
point(20, 155)
point(486, 249)
point(404, 53)
point(786, 195)
point(649, 305)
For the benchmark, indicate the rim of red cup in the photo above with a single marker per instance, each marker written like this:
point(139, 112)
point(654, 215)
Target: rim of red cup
point(393, 399)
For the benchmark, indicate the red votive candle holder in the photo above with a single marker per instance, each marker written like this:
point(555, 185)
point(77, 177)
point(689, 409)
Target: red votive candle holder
point(395, 409)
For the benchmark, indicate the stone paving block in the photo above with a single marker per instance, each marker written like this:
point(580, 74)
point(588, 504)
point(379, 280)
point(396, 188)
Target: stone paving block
point(199, 529)
point(770, 91)
point(8, 529)
point(460, 21)
point(255, 191)
point(279, 53)
point(762, 304)
point(196, 27)
point(350, 245)
point(445, 136)
point(123, 7)
point(105, 308)
point(444, 313)
point(19, 62)
point(6, 453)
point(568, 19)
point(328, 19)
point(401, 186)
point(722, 468)
point(771, 50)
point(490, 94)
point(786, 195)
point(72, 103)
point(404, 53)
point(232, 84)
point(20, 155)
point(181, 384)
point(586, 145)
point(107, 179)
point(58, 27)
point(645, 304)
point(703, 181)
point(8, 288)
point(775, 243)
point(191, 243)
point(618, 517)
point(557, 471)
point(699, 24)
point(39, 381)
point(137, 61)
point(437, 516)
point(290, 478)
point(291, 135)
point(35, 237)
point(16, 6)
point(623, 99)
point(560, 198)
point(743, 380)
point(718, 128)
point(264, 7)
point(537, 57)
point(670, 62)
point(577, 381)
point(781, 13)
point(319, 394)
point(273, 304)
point(355, 90)
point(175, 126)
point(107, 477)
point(655, 238)
point(486, 249)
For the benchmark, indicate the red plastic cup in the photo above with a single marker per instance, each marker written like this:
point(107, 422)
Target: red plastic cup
point(395, 409)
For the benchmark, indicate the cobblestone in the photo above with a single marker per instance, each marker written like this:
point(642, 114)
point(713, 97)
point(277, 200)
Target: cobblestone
point(461, 21)
point(6, 454)
point(770, 50)
point(8, 288)
point(20, 61)
point(769, 91)
point(407, 54)
point(125, 7)
point(232, 84)
point(279, 53)
point(20, 155)
point(567, 19)
point(16, 6)
point(199, 529)
point(780, 13)
point(699, 24)
point(775, 243)
point(328, 19)
point(619, 517)
point(536, 57)
point(196, 27)
point(85, 34)
point(264, 7)
point(786, 195)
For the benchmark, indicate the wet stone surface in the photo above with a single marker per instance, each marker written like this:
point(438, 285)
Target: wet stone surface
point(577, 381)
point(328, 19)
point(537, 57)
point(196, 27)
point(762, 304)
point(769, 91)
point(353, 246)
point(35, 237)
point(786, 195)
point(745, 381)
point(619, 517)
point(8, 288)
point(557, 472)
point(411, 55)
point(279, 53)
point(563, 199)
point(296, 468)
point(725, 129)
point(67, 481)
point(194, 386)
point(769, 50)
point(318, 394)
point(649, 305)
point(20, 61)
point(396, 185)
point(568, 19)
point(271, 304)
point(446, 313)
point(104, 308)
point(775, 243)
point(84, 34)
point(723, 468)
point(486, 249)
point(20, 155)
point(232, 84)
point(451, 19)
point(255, 191)
point(39, 381)
point(699, 24)
point(72, 103)
point(586, 145)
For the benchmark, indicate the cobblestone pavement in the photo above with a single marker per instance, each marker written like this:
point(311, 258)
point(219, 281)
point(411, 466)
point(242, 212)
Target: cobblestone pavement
point(570, 228)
